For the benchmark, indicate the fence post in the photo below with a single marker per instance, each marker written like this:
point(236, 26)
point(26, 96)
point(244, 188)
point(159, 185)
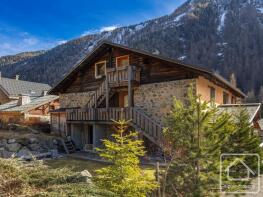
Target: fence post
point(157, 175)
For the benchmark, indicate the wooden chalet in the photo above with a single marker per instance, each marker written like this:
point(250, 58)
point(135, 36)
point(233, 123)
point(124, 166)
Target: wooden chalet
point(116, 81)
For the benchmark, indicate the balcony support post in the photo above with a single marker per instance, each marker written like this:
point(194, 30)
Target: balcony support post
point(107, 91)
point(130, 93)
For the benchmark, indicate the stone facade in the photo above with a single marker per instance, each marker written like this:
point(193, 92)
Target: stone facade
point(156, 99)
point(71, 100)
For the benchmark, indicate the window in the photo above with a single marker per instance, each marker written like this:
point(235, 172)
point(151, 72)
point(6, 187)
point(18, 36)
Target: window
point(100, 69)
point(233, 100)
point(126, 102)
point(225, 98)
point(212, 94)
point(122, 61)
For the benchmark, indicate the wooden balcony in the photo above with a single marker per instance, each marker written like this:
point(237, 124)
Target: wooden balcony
point(138, 119)
point(122, 75)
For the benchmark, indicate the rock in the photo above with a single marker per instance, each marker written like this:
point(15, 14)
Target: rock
point(14, 147)
point(55, 142)
point(3, 142)
point(33, 147)
point(23, 141)
point(24, 153)
point(11, 141)
point(5, 154)
point(86, 176)
point(54, 153)
point(33, 140)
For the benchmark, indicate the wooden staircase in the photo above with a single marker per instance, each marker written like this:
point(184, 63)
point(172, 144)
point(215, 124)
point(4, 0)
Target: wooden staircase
point(98, 96)
point(69, 146)
point(139, 119)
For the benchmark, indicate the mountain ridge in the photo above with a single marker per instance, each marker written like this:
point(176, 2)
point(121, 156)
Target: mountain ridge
point(225, 36)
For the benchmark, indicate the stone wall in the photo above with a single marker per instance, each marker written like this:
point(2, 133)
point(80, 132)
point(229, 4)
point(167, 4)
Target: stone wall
point(74, 99)
point(156, 99)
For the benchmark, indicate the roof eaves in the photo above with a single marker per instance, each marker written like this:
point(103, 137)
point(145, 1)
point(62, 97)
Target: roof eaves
point(40, 104)
point(105, 42)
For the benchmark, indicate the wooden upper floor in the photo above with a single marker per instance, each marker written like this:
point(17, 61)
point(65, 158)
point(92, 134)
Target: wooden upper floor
point(118, 64)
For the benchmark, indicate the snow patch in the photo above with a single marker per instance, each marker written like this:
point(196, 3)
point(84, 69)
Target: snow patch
point(156, 52)
point(182, 57)
point(178, 18)
point(108, 28)
point(260, 10)
point(222, 21)
point(140, 26)
point(220, 54)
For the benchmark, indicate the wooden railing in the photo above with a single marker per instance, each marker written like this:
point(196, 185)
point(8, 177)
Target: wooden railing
point(121, 74)
point(98, 94)
point(138, 119)
point(114, 77)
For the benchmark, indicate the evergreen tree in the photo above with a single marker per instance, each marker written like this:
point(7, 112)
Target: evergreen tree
point(260, 94)
point(192, 141)
point(251, 97)
point(124, 177)
point(243, 140)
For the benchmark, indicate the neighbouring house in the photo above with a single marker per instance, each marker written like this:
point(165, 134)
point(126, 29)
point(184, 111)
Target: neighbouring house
point(10, 89)
point(116, 81)
point(253, 110)
point(27, 110)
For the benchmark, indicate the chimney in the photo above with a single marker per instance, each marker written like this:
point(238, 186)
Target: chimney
point(44, 93)
point(17, 77)
point(23, 99)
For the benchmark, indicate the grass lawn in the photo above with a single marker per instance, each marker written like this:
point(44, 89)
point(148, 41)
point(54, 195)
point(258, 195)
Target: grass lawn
point(78, 165)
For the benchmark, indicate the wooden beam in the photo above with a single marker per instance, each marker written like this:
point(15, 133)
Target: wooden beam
point(130, 96)
point(107, 91)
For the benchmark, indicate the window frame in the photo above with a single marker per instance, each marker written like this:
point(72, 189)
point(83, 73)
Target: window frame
point(119, 57)
point(212, 88)
point(227, 96)
point(96, 70)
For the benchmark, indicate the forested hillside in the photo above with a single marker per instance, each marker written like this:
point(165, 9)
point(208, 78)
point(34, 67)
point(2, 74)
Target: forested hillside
point(223, 35)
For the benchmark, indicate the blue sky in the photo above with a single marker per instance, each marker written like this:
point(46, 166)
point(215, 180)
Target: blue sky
point(27, 25)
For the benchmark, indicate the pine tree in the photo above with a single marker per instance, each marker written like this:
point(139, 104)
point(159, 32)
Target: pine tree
point(242, 139)
point(260, 94)
point(251, 97)
point(124, 177)
point(193, 139)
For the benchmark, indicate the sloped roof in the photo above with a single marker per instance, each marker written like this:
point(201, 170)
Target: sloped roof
point(12, 106)
point(105, 44)
point(252, 109)
point(13, 87)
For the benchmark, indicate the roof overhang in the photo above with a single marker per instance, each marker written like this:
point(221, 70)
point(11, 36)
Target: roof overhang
point(105, 44)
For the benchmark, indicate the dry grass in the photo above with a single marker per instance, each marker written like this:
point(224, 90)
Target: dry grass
point(18, 179)
point(80, 165)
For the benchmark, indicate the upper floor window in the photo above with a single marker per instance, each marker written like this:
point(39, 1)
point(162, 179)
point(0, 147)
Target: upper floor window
point(212, 94)
point(233, 100)
point(225, 98)
point(122, 61)
point(100, 69)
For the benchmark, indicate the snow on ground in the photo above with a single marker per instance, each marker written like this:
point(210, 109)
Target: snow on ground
point(182, 57)
point(140, 26)
point(260, 10)
point(222, 21)
point(178, 18)
point(220, 54)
